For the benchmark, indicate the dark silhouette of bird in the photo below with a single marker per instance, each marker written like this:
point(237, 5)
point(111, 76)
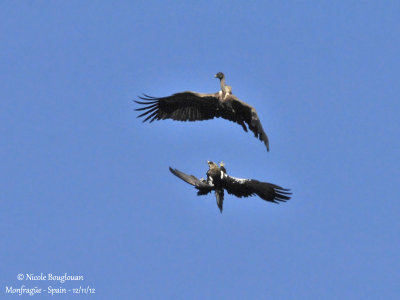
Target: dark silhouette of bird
point(193, 106)
point(218, 180)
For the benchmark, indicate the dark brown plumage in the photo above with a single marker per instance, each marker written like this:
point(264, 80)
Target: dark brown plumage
point(192, 106)
point(218, 181)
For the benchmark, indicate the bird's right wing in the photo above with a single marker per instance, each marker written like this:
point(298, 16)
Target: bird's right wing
point(185, 106)
point(202, 185)
point(249, 187)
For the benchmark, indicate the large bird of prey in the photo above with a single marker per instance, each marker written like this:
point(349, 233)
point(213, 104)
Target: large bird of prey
point(218, 180)
point(192, 106)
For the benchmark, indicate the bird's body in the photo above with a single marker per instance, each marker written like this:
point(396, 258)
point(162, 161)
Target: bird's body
point(193, 106)
point(218, 180)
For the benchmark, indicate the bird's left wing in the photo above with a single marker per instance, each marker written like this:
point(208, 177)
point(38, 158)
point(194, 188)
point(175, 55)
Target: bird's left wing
point(249, 187)
point(202, 185)
point(249, 115)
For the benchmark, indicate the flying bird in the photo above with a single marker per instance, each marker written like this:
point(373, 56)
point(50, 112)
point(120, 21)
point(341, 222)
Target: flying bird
point(193, 106)
point(218, 180)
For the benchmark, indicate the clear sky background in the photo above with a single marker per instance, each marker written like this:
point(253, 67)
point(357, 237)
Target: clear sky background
point(85, 187)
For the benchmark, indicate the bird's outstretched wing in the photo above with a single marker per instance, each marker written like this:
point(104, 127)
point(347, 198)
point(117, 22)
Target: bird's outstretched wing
point(249, 187)
point(202, 185)
point(185, 106)
point(248, 114)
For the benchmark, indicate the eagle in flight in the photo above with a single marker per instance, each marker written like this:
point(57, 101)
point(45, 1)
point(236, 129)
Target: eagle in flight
point(218, 180)
point(192, 106)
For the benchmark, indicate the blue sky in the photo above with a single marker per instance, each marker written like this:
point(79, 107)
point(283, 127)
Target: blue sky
point(85, 187)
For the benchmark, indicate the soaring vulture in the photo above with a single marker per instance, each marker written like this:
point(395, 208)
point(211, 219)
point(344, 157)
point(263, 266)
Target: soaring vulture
point(218, 180)
point(192, 106)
